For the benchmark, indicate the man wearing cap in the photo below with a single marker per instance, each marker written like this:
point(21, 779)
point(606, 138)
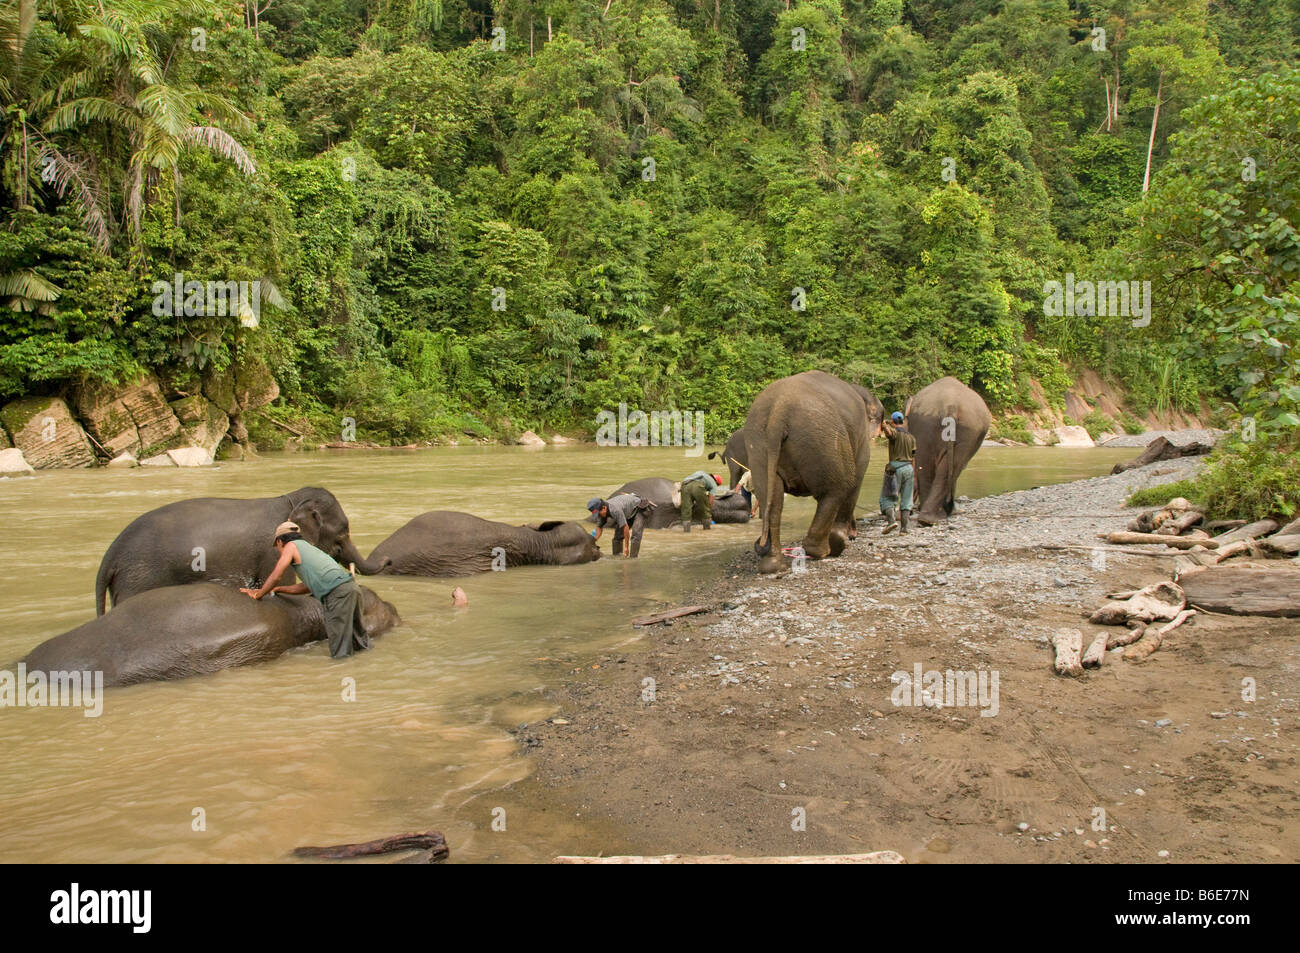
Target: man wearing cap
point(327, 581)
point(626, 512)
point(698, 491)
point(896, 501)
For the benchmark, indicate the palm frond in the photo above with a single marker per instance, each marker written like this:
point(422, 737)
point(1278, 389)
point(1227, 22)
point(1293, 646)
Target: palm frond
point(73, 174)
point(222, 143)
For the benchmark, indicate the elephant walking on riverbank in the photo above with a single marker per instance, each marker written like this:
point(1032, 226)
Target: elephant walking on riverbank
point(949, 422)
point(810, 435)
point(445, 543)
point(220, 540)
point(195, 629)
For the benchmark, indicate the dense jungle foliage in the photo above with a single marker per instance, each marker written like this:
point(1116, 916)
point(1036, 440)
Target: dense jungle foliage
point(484, 217)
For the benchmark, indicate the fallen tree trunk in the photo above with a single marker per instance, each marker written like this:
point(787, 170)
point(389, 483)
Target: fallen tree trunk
point(1162, 600)
point(431, 841)
point(669, 614)
point(1246, 591)
point(1249, 531)
point(1226, 552)
point(1068, 643)
point(1177, 542)
point(1223, 526)
point(1162, 448)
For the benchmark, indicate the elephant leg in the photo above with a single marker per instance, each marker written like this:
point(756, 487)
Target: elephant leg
point(769, 544)
point(844, 520)
point(825, 537)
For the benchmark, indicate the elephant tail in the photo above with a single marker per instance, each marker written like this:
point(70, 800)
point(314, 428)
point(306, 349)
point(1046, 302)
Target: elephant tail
point(103, 579)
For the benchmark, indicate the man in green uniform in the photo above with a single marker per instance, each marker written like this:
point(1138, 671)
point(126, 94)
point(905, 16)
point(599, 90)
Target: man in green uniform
point(902, 450)
point(698, 491)
point(327, 581)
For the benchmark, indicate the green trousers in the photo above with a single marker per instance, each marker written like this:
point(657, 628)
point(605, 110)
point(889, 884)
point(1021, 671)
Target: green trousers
point(695, 499)
point(343, 625)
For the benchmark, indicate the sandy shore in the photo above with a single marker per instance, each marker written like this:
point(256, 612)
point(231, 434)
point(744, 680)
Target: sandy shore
point(775, 724)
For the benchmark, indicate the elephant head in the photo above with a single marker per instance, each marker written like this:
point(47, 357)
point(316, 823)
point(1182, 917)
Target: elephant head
point(323, 523)
point(377, 615)
point(734, 456)
point(565, 543)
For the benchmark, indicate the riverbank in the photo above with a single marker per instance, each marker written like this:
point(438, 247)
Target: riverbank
point(777, 707)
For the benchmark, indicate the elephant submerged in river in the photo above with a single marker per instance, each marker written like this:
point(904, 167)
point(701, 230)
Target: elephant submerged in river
point(949, 422)
point(194, 629)
point(445, 543)
point(665, 514)
point(810, 435)
point(225, 541)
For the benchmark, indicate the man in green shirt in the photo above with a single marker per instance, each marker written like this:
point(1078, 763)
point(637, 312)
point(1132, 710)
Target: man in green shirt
point(897, 507)
point(327, 581)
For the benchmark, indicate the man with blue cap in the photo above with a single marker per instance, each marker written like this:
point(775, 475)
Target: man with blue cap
point(626, 513)
point(896, 491)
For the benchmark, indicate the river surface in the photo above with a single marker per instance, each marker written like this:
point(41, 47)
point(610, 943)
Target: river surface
point(247, 764)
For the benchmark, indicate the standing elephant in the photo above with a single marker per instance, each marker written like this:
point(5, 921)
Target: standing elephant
point(949, 422)
point(195, 629)
point(444, 543)
point(665, 514)
point(220, 540)
point(810, 435)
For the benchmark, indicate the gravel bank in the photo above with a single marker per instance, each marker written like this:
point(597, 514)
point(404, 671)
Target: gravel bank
point(1176, 437)
point(780, 704)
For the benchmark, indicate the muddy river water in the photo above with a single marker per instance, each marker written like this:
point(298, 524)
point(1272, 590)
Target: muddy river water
point(246, 764)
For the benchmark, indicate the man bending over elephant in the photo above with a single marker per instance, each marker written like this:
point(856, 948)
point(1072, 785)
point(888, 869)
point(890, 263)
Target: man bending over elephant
point(698, 491)
point(897, 505)
point(326, 580)
point(626, 512)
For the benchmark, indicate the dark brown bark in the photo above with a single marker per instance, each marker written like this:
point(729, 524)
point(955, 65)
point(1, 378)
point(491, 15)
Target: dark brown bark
point(431, 841)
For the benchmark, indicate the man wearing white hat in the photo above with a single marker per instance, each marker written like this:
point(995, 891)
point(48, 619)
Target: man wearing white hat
point(327, 581)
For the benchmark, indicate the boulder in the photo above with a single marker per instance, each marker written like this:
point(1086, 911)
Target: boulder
point(229, 450)
point(134, 418)
point(1042, 438)
point(191, 456)
point(46, 432)
point(530, 439)
point(123, 461)
point(1076, 406)
point(160, 460)
point(254, 385)
point(205, 424)
point(1072, 437)
point(13, 461)
point(219, 388)
point(559, 439)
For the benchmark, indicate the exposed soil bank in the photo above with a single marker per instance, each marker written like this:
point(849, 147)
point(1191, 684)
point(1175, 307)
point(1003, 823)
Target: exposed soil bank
point(778, 703)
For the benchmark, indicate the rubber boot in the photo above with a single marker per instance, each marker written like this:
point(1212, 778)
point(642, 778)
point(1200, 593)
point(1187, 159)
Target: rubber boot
point(891, 515)
point(708, 523)
point(686, 526)
point(905, 521)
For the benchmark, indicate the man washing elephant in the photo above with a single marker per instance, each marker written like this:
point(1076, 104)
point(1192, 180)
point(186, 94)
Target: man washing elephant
point(326, 580)
point(896, 491)
point(627, 513)
point(698, 492)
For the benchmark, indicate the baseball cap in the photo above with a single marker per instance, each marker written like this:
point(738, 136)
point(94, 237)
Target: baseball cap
point(286, 527)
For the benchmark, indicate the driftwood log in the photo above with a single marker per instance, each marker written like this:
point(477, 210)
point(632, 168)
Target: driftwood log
point(1068, 643)
point(1249, 531)
point(1096, 653)
point(1152, 638)
point(1223, 526)
point(1127, 637)
point(431, 841)
point(1260, 590)
point(1163, 449)
point(1163, 600)
point(1279, 545)
point(875, 857)
point(668, 614)
point(1177, 542)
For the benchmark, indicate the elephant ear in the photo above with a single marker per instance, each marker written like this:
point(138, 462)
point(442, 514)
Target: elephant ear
point(548, 525)
point(308, 519)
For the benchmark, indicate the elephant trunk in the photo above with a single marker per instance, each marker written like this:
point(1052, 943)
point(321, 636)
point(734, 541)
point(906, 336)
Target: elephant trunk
point(367, 567)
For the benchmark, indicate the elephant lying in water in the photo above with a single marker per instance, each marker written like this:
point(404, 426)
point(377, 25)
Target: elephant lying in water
point(196, 629)
point(220, 540)
point(665, 513)
point(949, 422)
point(444, 543)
